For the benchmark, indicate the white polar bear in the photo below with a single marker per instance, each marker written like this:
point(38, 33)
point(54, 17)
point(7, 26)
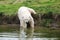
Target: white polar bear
point(24, 15)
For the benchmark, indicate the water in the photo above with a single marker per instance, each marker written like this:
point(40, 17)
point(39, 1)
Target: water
point(15, 36)
point(5, 35)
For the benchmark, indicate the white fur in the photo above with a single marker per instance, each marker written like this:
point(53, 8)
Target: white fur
point(24, 15)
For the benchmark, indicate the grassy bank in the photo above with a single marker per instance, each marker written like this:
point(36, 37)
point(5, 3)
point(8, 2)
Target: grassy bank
point(47, 7)
point(41, 6)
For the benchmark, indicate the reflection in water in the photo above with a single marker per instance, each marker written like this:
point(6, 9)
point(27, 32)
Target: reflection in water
point(8, 36)
point(30, 34)
point(26, 35)
point(45, 38)
point(14, 36)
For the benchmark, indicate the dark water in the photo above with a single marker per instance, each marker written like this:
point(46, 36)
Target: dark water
point(5, 35)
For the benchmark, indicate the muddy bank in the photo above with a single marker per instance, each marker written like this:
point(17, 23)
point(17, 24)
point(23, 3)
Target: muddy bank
point(48, 20)
point(6, 19)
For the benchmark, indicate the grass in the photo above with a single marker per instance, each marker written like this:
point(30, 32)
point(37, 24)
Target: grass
point(40, 6)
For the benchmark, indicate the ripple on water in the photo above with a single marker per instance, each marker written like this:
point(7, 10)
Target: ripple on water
point(14, 36)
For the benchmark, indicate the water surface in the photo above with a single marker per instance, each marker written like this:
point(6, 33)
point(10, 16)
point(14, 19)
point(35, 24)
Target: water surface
point(38, 34)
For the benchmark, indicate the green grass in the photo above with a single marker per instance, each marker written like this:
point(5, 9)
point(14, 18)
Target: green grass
point(40, 6)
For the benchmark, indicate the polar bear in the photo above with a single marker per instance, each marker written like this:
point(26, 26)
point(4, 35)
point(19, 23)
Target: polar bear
point(24, 15)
